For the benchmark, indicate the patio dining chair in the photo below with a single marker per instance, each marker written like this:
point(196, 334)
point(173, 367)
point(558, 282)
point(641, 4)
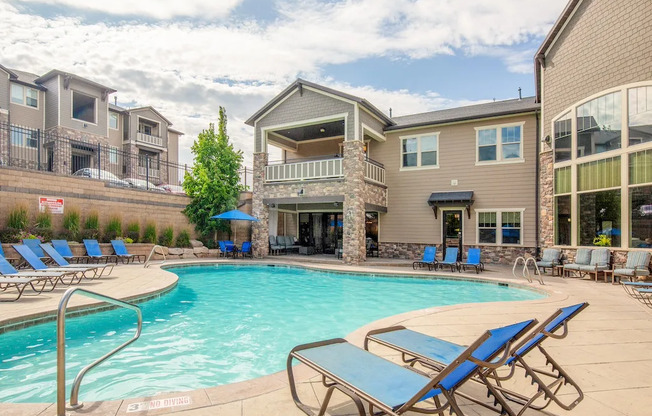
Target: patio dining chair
point(393, 389)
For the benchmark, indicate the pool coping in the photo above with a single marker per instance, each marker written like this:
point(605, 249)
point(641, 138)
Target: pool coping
point(234, 392)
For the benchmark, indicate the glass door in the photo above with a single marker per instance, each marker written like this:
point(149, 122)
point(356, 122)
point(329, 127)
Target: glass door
point(452, 227)
point(332, 232)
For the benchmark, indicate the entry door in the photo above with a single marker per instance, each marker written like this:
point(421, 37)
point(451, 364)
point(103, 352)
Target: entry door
point(452, 226)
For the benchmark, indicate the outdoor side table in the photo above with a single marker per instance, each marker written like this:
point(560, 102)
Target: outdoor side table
point(306, 250)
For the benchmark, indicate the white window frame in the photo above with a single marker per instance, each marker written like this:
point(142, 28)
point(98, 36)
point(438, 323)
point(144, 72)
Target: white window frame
point(72, 100)
point(23, 133)
point(24, 94)
point(117, 120)
point(418, 137)
point(499, 144)
point(113, 155)
point(499, 226)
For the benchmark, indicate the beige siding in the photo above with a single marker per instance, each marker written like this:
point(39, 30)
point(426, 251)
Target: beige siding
point(28, 116)
point(150, 115)
point(5, 90)
point(173, 147)
point(496, 186)
point(115, 136)
point(299, 107)
point(100, 127)
point(52, 102)
point(326, 148)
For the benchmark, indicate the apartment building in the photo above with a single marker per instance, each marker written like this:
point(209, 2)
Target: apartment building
point(351, 177)
point(64, 123)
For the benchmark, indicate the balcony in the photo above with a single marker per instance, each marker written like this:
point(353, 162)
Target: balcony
point(153, 173)
point(320, 169)
point(150, 140)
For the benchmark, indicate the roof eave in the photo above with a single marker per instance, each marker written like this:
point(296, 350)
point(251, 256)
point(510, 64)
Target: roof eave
point(56, 72)
point(460, 119)
point(29, 84)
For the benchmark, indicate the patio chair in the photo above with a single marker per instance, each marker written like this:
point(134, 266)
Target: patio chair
point(600, 261)
point(94, 252)
point(551, 258)
point(638, 264)
point(120, 250)
point(63, 248)
point(13, 260)
point(372, 247)
point(632, 287)
point(245, 250)
point(226, 248)
point(34, 245)
point(98, 270)
point(582, 258)
point(37, 284)
point(435, 353)
point(450, 259)
point(274, 247)
point(39, 266)
point(8, 271)
point(393, 389)
point(429, 259)
point(645, 296)
point(287, 242)
point(473, 260)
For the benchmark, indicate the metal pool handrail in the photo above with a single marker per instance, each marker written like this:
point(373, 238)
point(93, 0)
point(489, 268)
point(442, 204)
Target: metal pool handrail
point(61, 347)
point(526, 271)
point(151, 253)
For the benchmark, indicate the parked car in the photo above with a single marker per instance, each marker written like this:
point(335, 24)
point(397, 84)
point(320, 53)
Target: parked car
point(173, 189)
point(143, 184)
point(102, 175)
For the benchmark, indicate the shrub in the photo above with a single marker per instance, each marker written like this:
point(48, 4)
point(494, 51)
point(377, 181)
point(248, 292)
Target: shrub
point(92, 221)
point(90, 234)
point(133, 232)
point(18, 218)
point(167, 237)
point(113, 229)
point(149, 235)
point(128, 240)
point(10, 235)
point(43, 234)
point(71, 224)
point(183, 239)
point(44, 219)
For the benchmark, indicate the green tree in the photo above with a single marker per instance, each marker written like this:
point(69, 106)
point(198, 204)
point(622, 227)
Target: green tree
point(213, 183)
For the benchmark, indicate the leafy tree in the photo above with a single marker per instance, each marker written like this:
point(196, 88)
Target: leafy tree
point(213, 183)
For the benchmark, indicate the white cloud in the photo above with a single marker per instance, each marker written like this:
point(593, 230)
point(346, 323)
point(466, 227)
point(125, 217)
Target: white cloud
point(158, 9)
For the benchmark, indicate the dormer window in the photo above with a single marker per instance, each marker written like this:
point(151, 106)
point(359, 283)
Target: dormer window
point(83, 107)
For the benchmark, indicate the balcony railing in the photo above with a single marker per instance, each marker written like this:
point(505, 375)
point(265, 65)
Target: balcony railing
point(374, 172)
point(309, 170)
point(149, 139)
point(153, 173)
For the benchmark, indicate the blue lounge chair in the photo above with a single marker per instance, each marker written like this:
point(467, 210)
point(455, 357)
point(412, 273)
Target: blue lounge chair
point(435, 353)
point(451, 259)
point(94, 252)
point(645, 295)
point(98, 270)
point(246, 249)
point(63, 248)
point(35, 263)
point(473, 260)
point(227, 247)
point(429, 259)
point(34, 245)
point(8, 271)
point(393, 389)
point(12, 260)
point(123, 254)
point(632, 287)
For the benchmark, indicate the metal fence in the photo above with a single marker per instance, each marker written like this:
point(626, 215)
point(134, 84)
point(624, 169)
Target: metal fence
point(127, 166)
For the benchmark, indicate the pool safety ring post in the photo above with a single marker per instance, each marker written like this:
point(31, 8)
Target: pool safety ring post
point(61, 347)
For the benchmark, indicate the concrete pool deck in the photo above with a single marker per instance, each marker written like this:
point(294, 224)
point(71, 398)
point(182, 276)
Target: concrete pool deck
point(608, 350)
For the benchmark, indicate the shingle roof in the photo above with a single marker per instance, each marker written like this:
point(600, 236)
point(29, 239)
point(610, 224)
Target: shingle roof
point(117, 108)
point(26, 78)
point(55, 72)
point(493, 109)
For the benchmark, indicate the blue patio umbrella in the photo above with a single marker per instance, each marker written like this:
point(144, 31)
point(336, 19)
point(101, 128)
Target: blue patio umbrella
point(234, 215)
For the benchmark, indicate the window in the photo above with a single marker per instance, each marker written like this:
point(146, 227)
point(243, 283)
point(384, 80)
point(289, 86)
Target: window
point(501, 143)
point(640, 167)
point(562, 206)
point(600, 174)
point(419, 151)
point(640, 115)
point(599, 218)
point(113, 121)
point(500, 227)
point(24, 137)
point(24, 95)
point(562, 135)
point(83, 107)
point(113, 155)
point(640, 203)
point(599, 125)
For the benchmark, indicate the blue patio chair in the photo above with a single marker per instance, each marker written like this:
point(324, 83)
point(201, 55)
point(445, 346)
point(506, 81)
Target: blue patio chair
point(34, 245)
point(551, 258)
point(435, 353)
point(40, 269)
point(451, 259)
point(246, 249)
point(429, 259)
point(632, 287)
point(94, 252)
point(473, 260)
point(98, 270)
point(12, 260)
point(393, 389)
point(227, 248)
point(63, 248)
point(123, 254)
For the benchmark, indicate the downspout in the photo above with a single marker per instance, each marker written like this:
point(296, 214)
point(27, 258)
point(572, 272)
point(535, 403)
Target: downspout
point(537, 199)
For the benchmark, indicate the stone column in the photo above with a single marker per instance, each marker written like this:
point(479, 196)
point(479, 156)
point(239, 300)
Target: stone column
point(260, 229)
point(546, 192)
point(4, 137)
point(61, 151)
point(354, 209)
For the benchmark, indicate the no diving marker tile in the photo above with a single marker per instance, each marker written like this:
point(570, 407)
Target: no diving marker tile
point(159, 404)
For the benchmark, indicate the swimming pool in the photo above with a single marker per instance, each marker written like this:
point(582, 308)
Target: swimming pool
point(221, 324)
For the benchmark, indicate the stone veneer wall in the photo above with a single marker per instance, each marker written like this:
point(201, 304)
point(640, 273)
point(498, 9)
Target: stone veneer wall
point(375, 194)
point(354, 247)
point(260, 229)
point(490, 254)
point(4, 139)
point(62, 150)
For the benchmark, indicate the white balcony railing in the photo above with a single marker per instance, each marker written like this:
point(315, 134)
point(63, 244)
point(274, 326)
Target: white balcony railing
point(149, 139)
point(314, 169)
point(153, 173)
point(374, 173)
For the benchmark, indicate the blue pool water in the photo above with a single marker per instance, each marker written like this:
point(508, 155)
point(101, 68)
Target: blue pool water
point(221, 324)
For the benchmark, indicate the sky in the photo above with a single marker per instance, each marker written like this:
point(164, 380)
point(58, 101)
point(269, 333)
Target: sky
point(187, 58)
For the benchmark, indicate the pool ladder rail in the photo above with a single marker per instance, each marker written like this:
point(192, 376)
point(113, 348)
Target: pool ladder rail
point(152, 252)
point(61, 347)
point(526, 270)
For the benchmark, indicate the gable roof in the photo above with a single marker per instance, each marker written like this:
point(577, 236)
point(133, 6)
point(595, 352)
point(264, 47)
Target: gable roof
point(300, 82)
point(23, 78)
point(55, 72)
point(117, 109)
point(470, 112)
point(539, 57)
point(149, 107)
